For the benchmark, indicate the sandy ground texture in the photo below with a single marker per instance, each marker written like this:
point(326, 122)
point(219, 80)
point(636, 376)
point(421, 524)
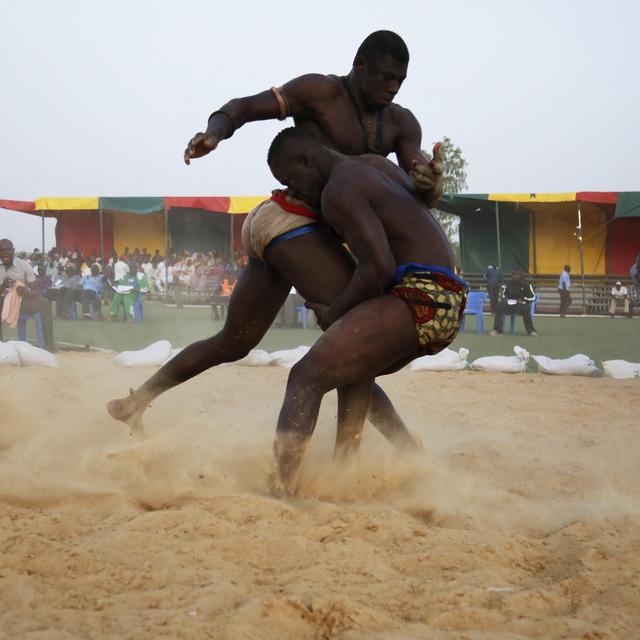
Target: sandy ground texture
point(519, 520)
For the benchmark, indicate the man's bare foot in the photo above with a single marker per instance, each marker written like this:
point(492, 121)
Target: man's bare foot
point(288, 450)
point(130, 411)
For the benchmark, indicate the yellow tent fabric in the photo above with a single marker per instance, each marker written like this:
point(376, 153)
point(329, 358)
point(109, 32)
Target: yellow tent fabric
point(553, 241)
point(138, 231)
point(66, 204)
point(244, 204)
point(533, 197)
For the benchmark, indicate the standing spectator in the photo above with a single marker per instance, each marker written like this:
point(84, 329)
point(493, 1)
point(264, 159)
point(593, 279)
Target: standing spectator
point(493, 278)
point(619, 294)
point(14, 270)
point(564, 287)
point(516, 296)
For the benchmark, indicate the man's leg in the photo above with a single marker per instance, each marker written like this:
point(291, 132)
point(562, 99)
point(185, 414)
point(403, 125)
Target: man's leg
point(370, 337)
point(498, 318)
point(253, 305)
point(525, 311)
point(44, 307)
point(321, 277)
point(353, 406)
point(612, 307)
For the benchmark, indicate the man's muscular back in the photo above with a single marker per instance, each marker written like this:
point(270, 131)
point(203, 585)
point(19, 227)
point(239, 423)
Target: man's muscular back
point(374, 213)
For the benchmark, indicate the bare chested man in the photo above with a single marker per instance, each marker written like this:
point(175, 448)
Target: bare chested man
point(353, 114)
point(402, 300)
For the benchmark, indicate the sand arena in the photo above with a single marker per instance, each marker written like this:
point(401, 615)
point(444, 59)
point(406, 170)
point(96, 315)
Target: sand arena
point(519, 520)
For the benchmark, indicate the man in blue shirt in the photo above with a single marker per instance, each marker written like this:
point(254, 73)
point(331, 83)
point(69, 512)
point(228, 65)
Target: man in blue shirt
point(564, 286)
point(92, 288)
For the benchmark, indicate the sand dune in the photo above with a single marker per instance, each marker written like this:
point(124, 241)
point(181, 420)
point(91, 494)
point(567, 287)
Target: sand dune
point(519, 519)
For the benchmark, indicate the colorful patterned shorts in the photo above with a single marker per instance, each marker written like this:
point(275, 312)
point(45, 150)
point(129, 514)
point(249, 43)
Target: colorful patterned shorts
point(437, 302)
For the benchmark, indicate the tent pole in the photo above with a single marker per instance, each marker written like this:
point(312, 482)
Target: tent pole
point(498, 235)
point(231, 236)
point(101, 235)
point(581, 243)
point(166, 232)
point(42, 233)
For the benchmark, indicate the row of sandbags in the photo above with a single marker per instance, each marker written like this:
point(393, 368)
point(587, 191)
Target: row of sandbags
point(577, 365)
point(159, 352)
point(447, 360)
point(17, 353)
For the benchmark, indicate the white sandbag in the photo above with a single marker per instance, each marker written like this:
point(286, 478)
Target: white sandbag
point(30, 355)
point(621, 369)
point(255, 358)
point(288, 357)
point(9, 355)
point(578, 365)
point(446, 360)
point(153, 355)
point(503, 364)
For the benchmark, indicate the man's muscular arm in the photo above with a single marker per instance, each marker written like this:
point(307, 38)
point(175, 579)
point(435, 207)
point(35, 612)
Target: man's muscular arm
point(347, 209)
point(296, 98)
point(427, 174)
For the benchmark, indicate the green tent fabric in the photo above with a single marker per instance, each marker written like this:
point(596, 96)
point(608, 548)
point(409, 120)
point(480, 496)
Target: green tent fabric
point(628, 205)
point(193, 229)
point(141, 206)
point(479, 242)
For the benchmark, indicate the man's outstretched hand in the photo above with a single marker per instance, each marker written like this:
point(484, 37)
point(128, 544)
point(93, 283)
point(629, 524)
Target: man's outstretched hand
point(427, 174)
point(200, 145)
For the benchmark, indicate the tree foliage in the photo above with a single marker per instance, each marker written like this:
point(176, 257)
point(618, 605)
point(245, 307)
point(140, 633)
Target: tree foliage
point(454, 181)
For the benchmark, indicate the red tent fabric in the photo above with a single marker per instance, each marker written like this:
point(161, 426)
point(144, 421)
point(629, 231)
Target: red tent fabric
point(82, 229)
point(18, 205)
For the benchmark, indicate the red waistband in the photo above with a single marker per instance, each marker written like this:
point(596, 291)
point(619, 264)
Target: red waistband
point(297, 209)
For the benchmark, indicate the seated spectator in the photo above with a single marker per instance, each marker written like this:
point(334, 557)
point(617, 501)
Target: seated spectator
point(72, 290)
point(516, 296)
point(142, 283)
point(92, 288)
point(125, 292)
point(159, 276)
point(619, 294)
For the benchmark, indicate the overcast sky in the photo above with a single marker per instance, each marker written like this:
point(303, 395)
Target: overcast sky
point(100, 98)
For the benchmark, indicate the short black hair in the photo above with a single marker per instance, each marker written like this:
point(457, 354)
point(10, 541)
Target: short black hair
point(381, 43)
point(290, 133)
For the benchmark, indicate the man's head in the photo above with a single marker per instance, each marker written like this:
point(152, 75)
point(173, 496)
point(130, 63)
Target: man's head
point(618, 284)
point(567, 268)
point(95, 270)
point(380, 67)
point(300, 163)
point(6, 251)
point(516, 274)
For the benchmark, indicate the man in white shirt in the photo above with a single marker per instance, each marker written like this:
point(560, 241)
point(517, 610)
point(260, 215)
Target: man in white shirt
point(619, 294)
point(14, 270)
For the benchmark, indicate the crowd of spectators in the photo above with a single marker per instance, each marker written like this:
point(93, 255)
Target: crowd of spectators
point(69, 277)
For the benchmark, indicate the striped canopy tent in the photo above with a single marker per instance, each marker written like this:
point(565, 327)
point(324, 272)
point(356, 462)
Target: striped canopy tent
point(101, 225)
point(596, 232)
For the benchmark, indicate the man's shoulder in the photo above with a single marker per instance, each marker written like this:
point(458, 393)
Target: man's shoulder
point(317, 85)
point(401, 116)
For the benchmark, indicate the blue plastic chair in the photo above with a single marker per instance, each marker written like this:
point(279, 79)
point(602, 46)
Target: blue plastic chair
point(512, 316)
point(22, 327)
point(303, 315)
point(475, 306)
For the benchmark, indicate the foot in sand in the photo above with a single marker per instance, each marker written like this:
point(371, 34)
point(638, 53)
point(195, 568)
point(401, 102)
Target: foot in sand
point(130, 411)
